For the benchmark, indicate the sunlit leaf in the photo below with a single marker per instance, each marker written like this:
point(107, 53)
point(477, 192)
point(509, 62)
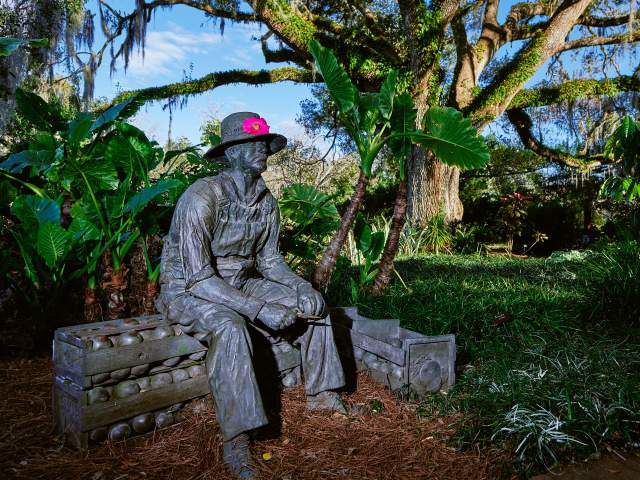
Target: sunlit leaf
point(387, 94)
point(304, 204)
point(403, 122)
point(339, 85)
point(121, 110)
point(452, 138)
point(79, 128)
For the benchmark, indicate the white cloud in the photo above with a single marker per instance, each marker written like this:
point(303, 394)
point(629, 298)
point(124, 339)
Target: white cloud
point(167, 50)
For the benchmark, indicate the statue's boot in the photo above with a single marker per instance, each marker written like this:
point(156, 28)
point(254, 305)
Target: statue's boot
point(236, 456)
point(326, 400)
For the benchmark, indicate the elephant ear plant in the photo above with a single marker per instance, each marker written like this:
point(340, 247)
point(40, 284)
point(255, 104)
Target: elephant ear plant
point(388, 118)
point(85, 183)
point(309, 216)
point(624, 146)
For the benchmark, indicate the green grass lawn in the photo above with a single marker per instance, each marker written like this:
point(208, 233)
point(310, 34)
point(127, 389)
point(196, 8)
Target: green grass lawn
point(555, 380)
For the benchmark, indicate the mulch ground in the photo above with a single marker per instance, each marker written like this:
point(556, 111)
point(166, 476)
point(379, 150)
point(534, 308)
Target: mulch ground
point(383, 440)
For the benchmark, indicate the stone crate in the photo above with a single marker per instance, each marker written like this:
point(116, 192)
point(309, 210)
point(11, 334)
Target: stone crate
point(401, 359)
point(122, 377)
point(125, 377)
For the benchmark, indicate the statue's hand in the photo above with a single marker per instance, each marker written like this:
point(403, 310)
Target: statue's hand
point(276, 316)
point(310, 301)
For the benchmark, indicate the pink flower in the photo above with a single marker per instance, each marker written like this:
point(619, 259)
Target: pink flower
point(255, 126)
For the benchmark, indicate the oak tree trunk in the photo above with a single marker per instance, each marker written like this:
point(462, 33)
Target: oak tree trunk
point(385, 269)
point(327, 263)
point(433, 188)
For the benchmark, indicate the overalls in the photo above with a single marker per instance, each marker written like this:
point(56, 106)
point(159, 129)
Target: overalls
point(220, 265)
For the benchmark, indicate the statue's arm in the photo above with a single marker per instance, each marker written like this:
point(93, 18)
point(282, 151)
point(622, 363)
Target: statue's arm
point(195, 219)
point(270, 263)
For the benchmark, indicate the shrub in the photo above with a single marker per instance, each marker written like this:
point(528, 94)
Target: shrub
point(612, 279)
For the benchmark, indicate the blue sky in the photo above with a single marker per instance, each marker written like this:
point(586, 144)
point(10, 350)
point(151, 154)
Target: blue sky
point(182, 39)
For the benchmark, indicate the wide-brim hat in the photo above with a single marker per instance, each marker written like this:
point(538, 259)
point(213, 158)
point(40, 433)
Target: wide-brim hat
point(244, 127)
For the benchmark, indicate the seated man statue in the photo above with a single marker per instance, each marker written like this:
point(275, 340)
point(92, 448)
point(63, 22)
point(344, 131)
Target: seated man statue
point(221, 275)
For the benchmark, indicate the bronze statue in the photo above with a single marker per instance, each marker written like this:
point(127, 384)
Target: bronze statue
point(222, 274)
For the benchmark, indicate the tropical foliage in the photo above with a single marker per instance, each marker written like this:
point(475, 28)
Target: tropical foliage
point(79, 195)
point(388, 118)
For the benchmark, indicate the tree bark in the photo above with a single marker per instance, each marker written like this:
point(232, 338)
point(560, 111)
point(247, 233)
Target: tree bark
point(433, 187)
point(385, 269)
point(328, 261)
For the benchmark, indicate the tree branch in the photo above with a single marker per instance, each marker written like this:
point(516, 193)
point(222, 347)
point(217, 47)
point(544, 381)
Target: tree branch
point(573, 89)
point(590, 21)
point(497, 96)
point(280, 55)
point(596, 40)
point(206, 7)
point(218, 79)
point(522, 123)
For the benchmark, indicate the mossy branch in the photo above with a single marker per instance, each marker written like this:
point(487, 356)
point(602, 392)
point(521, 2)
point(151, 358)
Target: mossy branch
point(218, 79)
point(522, 123)
point(573, 89)
point(598, 40)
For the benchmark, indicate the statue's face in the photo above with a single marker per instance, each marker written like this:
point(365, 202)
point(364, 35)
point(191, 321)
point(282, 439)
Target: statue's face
point(251, 156)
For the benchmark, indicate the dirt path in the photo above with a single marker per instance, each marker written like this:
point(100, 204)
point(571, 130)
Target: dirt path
point(609, 467)
point(390, 444)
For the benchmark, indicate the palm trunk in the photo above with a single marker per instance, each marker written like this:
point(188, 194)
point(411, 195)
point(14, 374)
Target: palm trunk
point(137, 281)
point(92, 307)
point(385, 269)
point(328, 261)
point(114, 283)
point(148, 300)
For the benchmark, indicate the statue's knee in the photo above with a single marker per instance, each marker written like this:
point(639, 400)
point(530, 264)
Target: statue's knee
point(223, 323)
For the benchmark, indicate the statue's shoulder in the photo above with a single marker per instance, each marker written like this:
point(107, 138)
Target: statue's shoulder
point(207, 190)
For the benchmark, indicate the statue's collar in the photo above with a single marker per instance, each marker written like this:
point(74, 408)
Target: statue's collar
point(233, 188)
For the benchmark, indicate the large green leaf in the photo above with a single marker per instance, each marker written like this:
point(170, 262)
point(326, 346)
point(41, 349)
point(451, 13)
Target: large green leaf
point(340, 87)
point(403, 123)
point(40, 160)
point(84, 211)
point(387, 94)
point(624, 144)
point(121, 110)
point(52, 243)
point(38, 112)
point(452, 138)
point(377, 244)
point(121, 154)
point(143, 197)
point(101, 174)
point(8, 45)
point(362, 234)
point(304, 204)
point(33, 211)
point(79, 128)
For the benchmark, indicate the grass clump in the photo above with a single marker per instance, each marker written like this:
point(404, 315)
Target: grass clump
point(536, 373)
